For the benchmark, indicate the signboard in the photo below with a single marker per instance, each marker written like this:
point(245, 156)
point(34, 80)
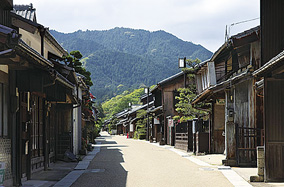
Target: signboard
point(193, 126)
point(170, 122)
point(131, 128)
point(156, 121)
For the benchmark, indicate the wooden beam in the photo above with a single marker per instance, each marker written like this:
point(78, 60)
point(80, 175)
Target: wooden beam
point(16, 63)
point(21, 24)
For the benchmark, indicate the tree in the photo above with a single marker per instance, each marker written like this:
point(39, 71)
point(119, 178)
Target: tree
point(112, 124)
point(186, 95)
point(100, 109)
point(141, 129)
point(121, 102)
point(73, 61)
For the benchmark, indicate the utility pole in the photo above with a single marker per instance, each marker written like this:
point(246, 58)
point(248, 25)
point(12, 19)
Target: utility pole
point(147, 92)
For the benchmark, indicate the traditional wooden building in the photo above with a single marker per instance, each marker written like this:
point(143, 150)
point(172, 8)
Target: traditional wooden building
point(272, 85)
point(168, 88)
point(132, 118)
point(121, 126)
point(205, 81)
point(9, 39)
point(147, 103)
point(41, 92)
point(156, 111)
point(226, 82)
point(77, 114)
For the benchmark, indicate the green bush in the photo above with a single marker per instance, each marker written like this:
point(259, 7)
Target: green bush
point(135, 136)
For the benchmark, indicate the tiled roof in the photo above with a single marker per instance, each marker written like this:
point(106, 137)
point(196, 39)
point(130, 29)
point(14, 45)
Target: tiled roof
point(235, 37)
point(171, 78)
point(145, 96)
point(274, 62)
point(246, 32)
point(8, 31)
point(141, 107)
point(32, 52)
point(26, 11)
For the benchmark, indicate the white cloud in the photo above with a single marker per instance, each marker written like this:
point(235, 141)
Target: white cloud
point(200, 21)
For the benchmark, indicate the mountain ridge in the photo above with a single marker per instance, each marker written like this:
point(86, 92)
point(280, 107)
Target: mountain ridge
point(128, 57)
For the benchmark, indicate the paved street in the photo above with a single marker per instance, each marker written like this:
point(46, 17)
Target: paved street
point(127, 162)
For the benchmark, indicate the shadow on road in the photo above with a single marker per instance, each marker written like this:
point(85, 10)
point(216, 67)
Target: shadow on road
point(108, 163)
point(106, 142)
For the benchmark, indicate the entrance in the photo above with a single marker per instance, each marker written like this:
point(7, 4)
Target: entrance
point(246, 140)
point(25, 135)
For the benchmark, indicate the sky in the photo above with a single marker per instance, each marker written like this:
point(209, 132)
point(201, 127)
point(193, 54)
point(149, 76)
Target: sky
point(199, 21)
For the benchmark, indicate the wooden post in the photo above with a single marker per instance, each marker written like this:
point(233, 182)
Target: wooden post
point(45, 141)
point(29, 156)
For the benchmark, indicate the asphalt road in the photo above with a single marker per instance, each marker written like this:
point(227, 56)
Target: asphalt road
point(132, 163)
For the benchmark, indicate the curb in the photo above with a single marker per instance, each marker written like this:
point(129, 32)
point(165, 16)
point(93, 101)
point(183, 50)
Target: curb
point(81, 167)
point(230, 174)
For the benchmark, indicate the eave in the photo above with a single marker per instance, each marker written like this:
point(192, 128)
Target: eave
point(23, 49)
point(222, 86)
point(268, 67)
point(23, 23)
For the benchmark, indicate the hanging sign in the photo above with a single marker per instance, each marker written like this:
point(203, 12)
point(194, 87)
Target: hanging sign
point(156, 121)
point(170, 122)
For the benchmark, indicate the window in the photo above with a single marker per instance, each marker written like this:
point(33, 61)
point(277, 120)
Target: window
point(3, 110)
point(204, 80)
point(37, 125)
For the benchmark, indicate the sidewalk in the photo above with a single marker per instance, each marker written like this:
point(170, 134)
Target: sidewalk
point(244, 172)
point(55, 173)
point(215, 161)
point(62, 173)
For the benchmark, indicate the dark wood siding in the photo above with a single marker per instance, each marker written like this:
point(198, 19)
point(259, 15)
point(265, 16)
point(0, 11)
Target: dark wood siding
point(274, 129)
point(272, 27)
point(5, 18)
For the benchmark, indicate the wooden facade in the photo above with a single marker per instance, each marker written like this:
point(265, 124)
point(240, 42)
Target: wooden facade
point(157, 114)
point(274, 120)
point(168, 88)
point(273, 82)
point(272, 34)
point(41, 97)
point(234, 102)
point(184, 136)
point(206, 79)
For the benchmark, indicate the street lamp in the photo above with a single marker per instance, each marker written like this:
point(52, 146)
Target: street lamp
point(147, 92)
point(182, 64)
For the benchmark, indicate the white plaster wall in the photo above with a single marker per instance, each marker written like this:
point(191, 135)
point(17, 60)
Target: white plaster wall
point(75, 131)
point(34, 41)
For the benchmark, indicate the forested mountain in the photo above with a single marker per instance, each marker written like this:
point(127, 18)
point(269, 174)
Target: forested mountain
point(122, 59)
